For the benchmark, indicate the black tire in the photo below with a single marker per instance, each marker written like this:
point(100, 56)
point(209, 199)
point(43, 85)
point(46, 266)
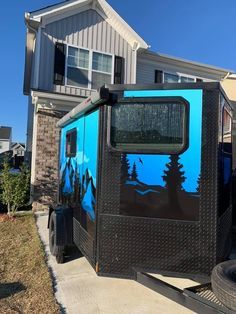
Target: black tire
point(223, 281)
point(52, 243)
point(57, 251)
point(60, 257)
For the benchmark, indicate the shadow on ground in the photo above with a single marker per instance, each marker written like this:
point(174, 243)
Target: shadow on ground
point(9, 289)
point(72, 253)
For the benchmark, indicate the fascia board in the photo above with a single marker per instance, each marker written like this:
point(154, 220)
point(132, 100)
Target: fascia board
point(66, 9)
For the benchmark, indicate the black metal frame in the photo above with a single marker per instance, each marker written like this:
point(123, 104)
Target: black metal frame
point(188, 297)
point(181, 248)
point(179, 100)
point(125, 242)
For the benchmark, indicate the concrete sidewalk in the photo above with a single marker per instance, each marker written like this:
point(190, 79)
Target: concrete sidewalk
point(80, 290)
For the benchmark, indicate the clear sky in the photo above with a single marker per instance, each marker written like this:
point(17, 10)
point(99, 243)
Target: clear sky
point(198, 30)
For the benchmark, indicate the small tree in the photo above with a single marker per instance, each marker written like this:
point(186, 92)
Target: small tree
point(134, 174)
point(125, 166)
point(15, 188)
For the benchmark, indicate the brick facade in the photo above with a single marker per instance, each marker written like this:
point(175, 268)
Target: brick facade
point(45, 184)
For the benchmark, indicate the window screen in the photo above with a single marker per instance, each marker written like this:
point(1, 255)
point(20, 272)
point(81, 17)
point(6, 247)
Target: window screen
point(149, 126)
point(71, 143)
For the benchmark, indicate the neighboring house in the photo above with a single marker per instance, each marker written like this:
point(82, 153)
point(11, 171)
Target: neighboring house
point(18, 149)
point(72, 48)
point(5, 138)
point(229, 85)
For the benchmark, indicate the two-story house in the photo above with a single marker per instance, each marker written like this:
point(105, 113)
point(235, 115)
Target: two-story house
point(5, 138)
point(72, 48)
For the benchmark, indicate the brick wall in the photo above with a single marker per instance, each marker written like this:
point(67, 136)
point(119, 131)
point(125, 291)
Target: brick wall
point(45, 185)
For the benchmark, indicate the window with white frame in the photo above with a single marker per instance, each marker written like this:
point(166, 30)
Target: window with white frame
point(88, 69)
point(101, 70)
point(78, 67)
point(175, 78)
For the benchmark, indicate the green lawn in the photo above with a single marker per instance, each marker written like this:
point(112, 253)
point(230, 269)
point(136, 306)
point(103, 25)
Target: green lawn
point(25, 284)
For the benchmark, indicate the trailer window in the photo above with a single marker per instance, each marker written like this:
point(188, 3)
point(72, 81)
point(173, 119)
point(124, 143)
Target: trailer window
point(139, 127)
point(71, 136)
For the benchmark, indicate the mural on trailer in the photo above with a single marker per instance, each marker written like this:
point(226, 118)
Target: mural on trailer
point(165, 186)
point(78, 174)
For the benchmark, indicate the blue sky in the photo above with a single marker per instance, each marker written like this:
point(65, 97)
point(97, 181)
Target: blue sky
point(202, 30)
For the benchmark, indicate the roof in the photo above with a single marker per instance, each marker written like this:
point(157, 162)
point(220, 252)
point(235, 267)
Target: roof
point(15, 144)
point(161, 56)
point(5, 132)
point(54, 12)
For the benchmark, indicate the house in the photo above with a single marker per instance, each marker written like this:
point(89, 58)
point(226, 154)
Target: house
point(5, 138)
point(72, 48)
point(18, 149)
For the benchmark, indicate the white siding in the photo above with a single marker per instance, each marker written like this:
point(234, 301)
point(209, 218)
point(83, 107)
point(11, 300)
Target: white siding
point(86, 29)
point(4, 146)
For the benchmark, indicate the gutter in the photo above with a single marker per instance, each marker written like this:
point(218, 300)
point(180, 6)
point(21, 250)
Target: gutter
point(32, 30)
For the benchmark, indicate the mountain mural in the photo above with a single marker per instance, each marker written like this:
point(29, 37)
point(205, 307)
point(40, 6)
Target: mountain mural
point(167, 201)
point(76, 193)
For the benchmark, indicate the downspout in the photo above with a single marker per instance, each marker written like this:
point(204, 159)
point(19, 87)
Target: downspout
point(135, 51)
point(30, 39)
point(135, 48)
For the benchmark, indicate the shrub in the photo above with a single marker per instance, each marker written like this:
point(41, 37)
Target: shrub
point(15, 188)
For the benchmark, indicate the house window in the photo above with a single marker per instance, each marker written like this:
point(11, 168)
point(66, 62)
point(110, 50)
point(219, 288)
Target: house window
point(171, 78)
point(185, 79)
point(71, 137)
point(101, 70)
point(77, 67)
point(176, 78)
point(161, 127)
point(88, 69)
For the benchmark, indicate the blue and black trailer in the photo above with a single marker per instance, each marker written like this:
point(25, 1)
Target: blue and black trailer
point(145, 179)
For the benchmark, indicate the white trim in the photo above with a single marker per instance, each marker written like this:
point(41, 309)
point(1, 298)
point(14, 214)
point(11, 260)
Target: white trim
point(121, 25)
point(56, 17)
point(36, 15)
point(179, 75)
point(67, 8)
point(36, 95)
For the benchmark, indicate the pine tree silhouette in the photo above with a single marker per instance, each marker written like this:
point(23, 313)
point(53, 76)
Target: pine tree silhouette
point(174, 179)
point(198, 183)
point(76, 186)
point(125, 166)
point(134, 174)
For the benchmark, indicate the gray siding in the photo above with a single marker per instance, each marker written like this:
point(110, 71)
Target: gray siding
point(146, 70)
point(86, 29)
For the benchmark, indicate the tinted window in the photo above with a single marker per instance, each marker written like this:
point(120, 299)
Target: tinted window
point(151, 126)
point(71, 143)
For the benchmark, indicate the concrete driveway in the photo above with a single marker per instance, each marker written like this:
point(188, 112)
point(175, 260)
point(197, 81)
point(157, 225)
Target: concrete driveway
point(79, 290)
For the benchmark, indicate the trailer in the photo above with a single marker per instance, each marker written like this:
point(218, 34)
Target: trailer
point(145, 180)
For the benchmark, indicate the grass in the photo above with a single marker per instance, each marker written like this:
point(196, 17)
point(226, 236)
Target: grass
point(25, 283)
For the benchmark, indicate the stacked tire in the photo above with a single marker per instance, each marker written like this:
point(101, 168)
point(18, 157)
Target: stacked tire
point(223, 282)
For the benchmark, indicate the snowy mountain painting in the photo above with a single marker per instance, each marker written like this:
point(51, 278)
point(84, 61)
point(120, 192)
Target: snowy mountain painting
point(159, 193)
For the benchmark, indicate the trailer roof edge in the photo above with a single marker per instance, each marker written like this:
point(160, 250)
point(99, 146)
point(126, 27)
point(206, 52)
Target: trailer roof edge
point(89, 103)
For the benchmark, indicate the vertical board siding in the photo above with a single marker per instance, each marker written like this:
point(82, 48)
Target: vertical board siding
point(86, 29)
